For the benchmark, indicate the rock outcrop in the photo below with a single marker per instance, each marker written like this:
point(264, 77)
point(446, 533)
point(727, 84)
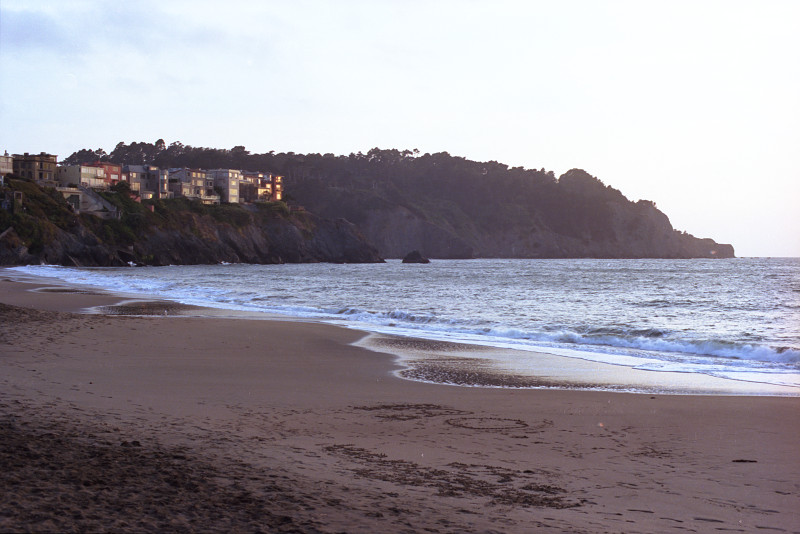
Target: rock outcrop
point(399, 229)
point(415, 257)
point(277, 241)
point(631, 230)
point(532, 215)
point(177, 236)
point(280, 242)
point(637, 230)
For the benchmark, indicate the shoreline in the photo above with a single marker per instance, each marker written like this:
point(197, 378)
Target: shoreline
point(297, 430)
point(468, 365)
point(449, 363)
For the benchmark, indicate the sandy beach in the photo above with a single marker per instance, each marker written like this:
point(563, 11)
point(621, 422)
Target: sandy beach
point(178, 423)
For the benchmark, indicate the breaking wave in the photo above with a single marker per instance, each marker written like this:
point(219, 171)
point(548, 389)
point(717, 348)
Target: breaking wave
point(625, 318)
point(652, 341)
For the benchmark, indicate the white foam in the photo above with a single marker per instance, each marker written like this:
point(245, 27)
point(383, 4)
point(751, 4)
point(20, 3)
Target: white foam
point(647, 348)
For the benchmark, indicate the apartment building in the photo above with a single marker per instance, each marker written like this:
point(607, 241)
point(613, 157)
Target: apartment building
point(260, 187)
point(132, 175)
point(277, 187)
point(209, 186)
point(226, 181)
point(6, 165)
point(147, 181)
point(112, 171)
point(193, 183)
point(81, 175)
point(40, 168)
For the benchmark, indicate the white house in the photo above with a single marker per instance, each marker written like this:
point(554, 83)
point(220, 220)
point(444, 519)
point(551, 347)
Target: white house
point(227, 181)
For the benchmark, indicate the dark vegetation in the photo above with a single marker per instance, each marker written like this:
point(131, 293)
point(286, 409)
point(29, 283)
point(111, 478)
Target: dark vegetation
point(44, 210)
point(44, 229)
point(448, 206)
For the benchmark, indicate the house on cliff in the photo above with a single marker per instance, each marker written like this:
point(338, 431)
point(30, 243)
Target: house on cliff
point(82, 175)
point(147, 181)
point(112, 172)
point(40, 168)
point(227, 181)
point(6, 166)
point(260, 187)
point(193, 183)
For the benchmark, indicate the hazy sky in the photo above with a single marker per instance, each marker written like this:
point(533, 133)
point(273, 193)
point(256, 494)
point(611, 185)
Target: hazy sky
point(694, 105)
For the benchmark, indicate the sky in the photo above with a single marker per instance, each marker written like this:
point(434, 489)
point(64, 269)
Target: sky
point(694, 105)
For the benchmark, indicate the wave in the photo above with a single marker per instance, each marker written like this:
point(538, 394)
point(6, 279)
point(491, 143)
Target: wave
point(642, 342)
point(655, 344)
point(623, 340)
point(703, 347)
point(663, 303)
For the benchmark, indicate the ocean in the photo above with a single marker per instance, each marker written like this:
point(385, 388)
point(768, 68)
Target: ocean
point(736, 320)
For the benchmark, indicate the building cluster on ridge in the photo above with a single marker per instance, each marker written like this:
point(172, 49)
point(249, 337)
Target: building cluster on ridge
point(145, 181)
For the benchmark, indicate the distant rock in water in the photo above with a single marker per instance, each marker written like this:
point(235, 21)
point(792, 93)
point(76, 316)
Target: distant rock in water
point(415, 257)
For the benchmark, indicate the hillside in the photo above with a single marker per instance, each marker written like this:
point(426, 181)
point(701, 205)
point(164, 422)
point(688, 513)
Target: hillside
point(45, 230)
point(450, 207)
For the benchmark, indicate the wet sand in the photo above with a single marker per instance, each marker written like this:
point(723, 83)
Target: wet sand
point(136, 423)
point(442, 362)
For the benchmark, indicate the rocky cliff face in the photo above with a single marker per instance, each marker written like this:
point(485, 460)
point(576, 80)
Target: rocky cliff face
point(47, 232)
point(277, 241)
point(645, 235)
point(641, 231)
point(397, 230)
point(628, 230)
point(576, 216)
point(203, 242)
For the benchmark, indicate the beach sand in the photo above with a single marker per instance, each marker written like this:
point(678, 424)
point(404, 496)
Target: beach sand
point(180, 423)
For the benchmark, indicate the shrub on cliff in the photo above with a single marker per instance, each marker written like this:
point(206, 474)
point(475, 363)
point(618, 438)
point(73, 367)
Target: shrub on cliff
point(233, 214)
point(44, 203)
point(41, 214)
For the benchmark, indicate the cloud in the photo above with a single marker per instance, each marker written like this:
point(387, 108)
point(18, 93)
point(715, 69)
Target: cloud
point(81, 29)
point(35, 31)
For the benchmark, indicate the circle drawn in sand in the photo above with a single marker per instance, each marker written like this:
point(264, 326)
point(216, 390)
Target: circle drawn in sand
point(406, 412)
point(487, 423)
point(64, 290)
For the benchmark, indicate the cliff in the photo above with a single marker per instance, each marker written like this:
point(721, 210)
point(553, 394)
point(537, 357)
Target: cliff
point(451, 207)
point(533, 216)
point(44, 230)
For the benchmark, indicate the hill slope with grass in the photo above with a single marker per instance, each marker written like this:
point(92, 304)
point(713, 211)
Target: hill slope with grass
point(44, 229)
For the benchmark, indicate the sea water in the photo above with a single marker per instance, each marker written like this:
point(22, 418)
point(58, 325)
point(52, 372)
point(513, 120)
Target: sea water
point(737, 319)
